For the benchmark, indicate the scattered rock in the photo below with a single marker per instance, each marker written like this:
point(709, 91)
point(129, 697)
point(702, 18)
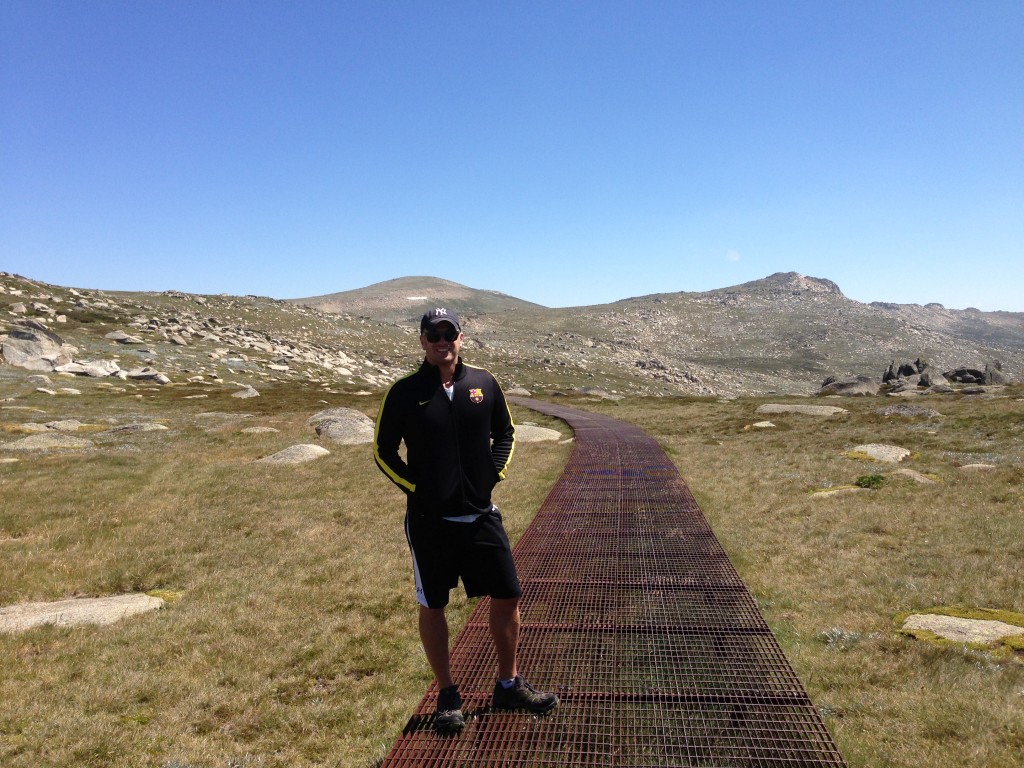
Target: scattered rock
point(909, 411)
point(123, 338)
point(96, 369)
point(246, 393)
point(346, 426)
point(762, 425)
point(930, 379)
point(994, 373)
point(963, 630)
point(891, 454)
point(147, 374)
point(29, 427)
point(914, 475)
point(66, 613)
point(965, 376)
point(137, 427)
point(806, 410)
point(600, 393)
point(905, 393)
point(849, 387)
point(978, 467)
point(844, 491)
point(258, 430)
point(519, 392)
point(327, 413)
point(65, 425)
point(531, 433)
point(909, 379)
point(35, 349)
point(904, 370)
point(48, 442)
point(296, 454)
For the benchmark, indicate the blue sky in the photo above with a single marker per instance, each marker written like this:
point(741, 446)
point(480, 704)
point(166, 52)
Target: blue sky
point(567, 153)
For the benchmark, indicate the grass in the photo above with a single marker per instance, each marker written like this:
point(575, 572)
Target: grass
point(292, 640)
point(831, 576)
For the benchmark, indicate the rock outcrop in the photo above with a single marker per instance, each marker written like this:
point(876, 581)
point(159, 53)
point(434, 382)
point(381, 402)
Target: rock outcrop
point(79, 610)
point(345, 426)
point(35, 349)
point(295, 454)
point(849, 387)
point(911, 378)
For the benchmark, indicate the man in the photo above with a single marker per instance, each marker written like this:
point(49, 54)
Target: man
point(459, 437)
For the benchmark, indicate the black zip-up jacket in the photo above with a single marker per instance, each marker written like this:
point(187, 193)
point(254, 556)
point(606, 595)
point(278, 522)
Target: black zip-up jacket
point(456, 451)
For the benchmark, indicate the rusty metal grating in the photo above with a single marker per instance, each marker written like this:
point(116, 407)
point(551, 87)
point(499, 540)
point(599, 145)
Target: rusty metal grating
point(633, 613)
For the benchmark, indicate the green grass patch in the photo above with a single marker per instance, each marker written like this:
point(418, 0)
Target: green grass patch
point(870, 481)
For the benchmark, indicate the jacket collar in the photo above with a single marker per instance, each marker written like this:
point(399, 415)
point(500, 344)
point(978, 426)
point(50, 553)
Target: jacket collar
point(426, 369)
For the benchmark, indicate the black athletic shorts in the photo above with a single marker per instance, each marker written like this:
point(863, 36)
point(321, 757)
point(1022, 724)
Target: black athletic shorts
point(477, 552)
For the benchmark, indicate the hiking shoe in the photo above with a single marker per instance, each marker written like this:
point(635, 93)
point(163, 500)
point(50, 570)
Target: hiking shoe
point(522, 695)
point(449, 717)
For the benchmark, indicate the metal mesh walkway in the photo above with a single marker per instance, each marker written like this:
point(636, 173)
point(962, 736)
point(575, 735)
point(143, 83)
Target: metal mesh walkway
point(634, 615)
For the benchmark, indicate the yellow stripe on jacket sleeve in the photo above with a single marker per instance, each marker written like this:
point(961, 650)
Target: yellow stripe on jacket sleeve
point(384, 465)
point(511, 447)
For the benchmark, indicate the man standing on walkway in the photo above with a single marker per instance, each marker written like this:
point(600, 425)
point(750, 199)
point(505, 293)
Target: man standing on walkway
point(459, 438)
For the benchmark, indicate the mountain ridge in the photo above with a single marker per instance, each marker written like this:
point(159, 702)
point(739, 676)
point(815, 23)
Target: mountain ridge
point(785, 333)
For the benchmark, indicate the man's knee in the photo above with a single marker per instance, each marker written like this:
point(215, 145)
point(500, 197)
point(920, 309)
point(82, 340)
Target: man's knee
point(506, 606)
point(431, 614)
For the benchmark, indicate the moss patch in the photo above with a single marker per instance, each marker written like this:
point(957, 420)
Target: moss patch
point(167, 595)
point(1007, 648)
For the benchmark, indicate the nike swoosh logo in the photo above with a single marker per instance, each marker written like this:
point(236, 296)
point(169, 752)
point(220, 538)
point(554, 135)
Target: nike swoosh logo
point(424, 402)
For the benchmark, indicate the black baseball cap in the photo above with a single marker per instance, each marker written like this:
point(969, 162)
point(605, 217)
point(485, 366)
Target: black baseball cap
point(440, 315)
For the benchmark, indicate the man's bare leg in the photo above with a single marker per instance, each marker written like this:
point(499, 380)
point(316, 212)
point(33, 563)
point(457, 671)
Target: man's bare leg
point(504, 625)
point(434, 636)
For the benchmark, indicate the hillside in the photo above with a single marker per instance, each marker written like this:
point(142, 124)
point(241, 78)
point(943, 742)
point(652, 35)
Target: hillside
point(407, 298)
point(784, 333)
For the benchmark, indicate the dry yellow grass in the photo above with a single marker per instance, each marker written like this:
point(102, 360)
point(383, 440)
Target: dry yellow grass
point(293, 642)
point(831, 575)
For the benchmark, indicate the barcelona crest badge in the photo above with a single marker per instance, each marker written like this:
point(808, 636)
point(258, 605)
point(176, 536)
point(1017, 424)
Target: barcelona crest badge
point(476, 395)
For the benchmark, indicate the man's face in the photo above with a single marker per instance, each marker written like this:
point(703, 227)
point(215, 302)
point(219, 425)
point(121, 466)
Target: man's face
point(443, 351)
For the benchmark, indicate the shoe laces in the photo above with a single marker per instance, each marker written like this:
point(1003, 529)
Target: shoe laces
point(524, 684)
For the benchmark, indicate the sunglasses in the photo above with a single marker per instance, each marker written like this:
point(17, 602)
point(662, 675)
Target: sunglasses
point(433, 335)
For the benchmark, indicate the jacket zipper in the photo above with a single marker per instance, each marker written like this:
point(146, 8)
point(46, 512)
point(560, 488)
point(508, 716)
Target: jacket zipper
point(458, 446)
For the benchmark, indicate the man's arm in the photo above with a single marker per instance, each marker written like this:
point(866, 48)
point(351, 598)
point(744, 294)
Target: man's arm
point(387, 436)
point(503, 431)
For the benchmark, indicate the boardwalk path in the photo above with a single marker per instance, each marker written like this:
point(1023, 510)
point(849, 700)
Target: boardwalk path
point(633, 613)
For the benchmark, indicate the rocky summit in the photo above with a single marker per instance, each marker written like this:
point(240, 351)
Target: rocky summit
point(784, 334)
